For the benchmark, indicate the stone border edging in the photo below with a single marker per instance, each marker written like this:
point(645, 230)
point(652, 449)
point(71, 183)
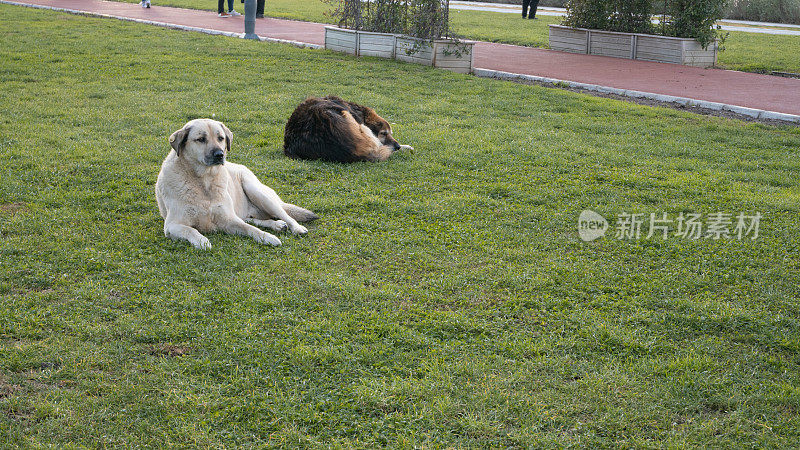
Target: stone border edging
point(163, 24)
point(683, 101)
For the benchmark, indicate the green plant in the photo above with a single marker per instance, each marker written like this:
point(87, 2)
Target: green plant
point(382, 16)
point(632, 16)
point(347, 13)
point(692, 19)
point(387, 16)
point(429, 19)
point(680, 18)
point(593, 14)
point(722, 38)
point(424, 19)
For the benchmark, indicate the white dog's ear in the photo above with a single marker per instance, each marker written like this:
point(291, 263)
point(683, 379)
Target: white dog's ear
point(178, 139)
point(228, 137)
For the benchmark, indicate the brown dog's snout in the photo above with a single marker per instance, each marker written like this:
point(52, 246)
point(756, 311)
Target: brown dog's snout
point(392, 142)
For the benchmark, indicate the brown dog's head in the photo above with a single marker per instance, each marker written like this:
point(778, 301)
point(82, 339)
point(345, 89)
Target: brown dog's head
point(202, 141)
point(381, 128)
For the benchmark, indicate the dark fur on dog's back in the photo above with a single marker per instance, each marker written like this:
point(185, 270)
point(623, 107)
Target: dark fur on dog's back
point(319, 128)
point(313, 130)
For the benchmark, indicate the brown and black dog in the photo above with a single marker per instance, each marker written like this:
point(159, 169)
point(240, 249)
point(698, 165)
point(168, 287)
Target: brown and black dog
point(332, 129)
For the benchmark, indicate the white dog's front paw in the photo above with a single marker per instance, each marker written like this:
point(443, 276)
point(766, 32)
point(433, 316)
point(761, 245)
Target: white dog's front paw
point(266, 238)
point(279, 225)
point(274, 225)
point(299, 229)
point(202, 243)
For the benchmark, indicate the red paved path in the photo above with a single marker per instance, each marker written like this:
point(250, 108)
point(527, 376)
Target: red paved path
point(723, 86)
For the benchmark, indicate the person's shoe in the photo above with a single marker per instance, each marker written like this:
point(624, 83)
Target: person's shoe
point(259, 16)
point(147, 4)
point(234, 13)
point(224, 15)
point(143, 4)
point(531, 17)
point(524, 17)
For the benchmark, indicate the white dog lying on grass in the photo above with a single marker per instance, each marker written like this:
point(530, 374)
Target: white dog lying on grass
point(198, 191)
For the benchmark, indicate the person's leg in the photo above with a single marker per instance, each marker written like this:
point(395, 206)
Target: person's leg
point(230, 5)
point(260, 8)
point(525, 4)
point(220, 6)
point(534, 5)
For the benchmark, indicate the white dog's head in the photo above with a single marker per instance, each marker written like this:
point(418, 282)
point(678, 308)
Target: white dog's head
point(202, 141)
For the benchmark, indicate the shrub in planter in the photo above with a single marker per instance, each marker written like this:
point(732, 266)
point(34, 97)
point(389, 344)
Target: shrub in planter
point(367, 28)
point(423, 19)
point(680, 18)
point(631, 16)
point(429, 40)
point(380, 16)
point(627, 16)
point(419, 29)
point(692, 19)
point(623, 29)
point(591, 14)
point(387, 16)
point(348, 13)
point(429, 19)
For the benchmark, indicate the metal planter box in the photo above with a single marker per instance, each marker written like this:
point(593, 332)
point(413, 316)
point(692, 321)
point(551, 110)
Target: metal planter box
point(645, 47)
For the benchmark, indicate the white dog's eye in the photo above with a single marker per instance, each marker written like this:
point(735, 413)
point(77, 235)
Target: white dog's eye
point(220, 138)
point(201, 139)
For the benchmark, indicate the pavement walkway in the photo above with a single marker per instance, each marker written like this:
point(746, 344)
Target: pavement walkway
point(748, 90)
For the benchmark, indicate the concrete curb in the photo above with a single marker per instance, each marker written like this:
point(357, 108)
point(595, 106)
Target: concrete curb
point(290, 42)
point(683, 101)
point(163, 24)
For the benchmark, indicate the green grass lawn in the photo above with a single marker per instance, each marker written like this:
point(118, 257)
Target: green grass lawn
point(443, 298)
point(748, 52)
point(761, 53)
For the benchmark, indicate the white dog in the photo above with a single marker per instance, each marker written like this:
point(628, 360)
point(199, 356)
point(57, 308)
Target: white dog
point(199, 191)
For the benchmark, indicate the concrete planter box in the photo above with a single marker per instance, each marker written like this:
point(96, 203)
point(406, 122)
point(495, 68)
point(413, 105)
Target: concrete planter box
point(360, 43)
point(645, 47)
point(376, 44)
point(341, 40)
point(442, 53)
